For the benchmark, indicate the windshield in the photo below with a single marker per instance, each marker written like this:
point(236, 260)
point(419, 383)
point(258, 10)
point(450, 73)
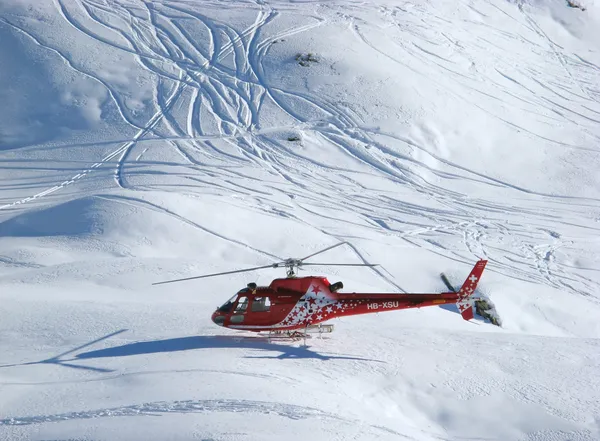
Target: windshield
point(227, 306)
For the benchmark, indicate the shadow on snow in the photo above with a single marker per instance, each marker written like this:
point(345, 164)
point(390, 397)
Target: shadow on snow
point(285, 351)
point(213, 342)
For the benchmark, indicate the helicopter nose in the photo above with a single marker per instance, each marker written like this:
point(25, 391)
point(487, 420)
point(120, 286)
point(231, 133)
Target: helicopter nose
point(218, 319)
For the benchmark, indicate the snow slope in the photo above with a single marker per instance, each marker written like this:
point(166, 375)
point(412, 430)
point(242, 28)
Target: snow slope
point(143, 141)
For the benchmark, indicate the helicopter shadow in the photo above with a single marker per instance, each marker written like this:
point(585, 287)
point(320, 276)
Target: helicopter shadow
point(286, 351)
point(215, 342)
point(58, 360)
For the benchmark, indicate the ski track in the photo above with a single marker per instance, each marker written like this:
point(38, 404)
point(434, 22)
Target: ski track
point(233, 94)
point(555, 49)
point(289, 411)
point(283, 410)
point(146, 204)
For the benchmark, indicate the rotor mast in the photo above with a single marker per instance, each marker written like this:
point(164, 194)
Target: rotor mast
point(290, 265)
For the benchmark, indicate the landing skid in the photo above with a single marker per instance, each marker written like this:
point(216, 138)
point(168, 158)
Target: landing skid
point(296, 335)
point(319, 329)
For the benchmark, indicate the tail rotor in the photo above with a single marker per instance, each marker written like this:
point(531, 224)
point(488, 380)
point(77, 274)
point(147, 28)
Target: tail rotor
point(464, 302)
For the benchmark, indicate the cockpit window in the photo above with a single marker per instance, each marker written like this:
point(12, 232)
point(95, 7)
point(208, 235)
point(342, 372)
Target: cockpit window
point(227, 306)
point(242, 304)
point(261, 304)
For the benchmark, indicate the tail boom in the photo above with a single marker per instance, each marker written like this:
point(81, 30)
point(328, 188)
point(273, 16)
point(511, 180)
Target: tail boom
point(316, 309)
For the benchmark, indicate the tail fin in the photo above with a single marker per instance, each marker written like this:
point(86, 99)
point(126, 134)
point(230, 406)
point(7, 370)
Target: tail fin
point(464, 302)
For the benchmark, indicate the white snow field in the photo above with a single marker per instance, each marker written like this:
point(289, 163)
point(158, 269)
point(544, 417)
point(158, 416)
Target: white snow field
point(142, 141)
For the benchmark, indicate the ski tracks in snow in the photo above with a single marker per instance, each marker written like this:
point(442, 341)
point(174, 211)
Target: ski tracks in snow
point(215, 70)
point(438, 56)
point(289, 411)
point(283, 410)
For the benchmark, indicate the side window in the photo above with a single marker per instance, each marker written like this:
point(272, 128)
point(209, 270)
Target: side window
point(261, 304)
point(242, 305)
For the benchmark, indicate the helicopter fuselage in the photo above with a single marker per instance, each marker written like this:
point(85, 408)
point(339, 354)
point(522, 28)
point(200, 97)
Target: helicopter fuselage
point(296, 303)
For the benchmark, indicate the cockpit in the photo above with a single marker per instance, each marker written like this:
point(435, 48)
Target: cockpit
point(228, 305)
point(256, 305)
point(245, 300)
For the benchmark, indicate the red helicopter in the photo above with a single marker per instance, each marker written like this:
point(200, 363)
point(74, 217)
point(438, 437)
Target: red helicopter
point(295, 304)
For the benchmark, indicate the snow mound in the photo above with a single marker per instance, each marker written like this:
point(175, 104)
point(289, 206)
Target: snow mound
point(75, 218)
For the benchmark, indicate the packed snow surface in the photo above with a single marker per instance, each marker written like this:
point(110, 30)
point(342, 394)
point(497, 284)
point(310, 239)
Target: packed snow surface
point(149, 140)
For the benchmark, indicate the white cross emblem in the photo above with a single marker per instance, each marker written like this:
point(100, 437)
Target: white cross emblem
point(473, 279)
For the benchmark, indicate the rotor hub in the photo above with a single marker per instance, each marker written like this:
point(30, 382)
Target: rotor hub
point(291, 266)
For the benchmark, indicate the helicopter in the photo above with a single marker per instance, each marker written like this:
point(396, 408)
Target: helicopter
point(294, 306)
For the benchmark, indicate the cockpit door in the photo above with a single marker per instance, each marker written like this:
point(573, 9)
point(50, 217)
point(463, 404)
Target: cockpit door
point(240, 309)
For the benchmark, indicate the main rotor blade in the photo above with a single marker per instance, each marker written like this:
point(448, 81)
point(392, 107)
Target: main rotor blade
point(447, 282)
point(273, 265)
point(323, 250)
point(341, 264)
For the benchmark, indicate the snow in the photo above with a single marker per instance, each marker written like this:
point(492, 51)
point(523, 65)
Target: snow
point(144, 141)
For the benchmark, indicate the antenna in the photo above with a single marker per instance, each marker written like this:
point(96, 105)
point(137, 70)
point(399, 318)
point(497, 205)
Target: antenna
point(291, 265)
